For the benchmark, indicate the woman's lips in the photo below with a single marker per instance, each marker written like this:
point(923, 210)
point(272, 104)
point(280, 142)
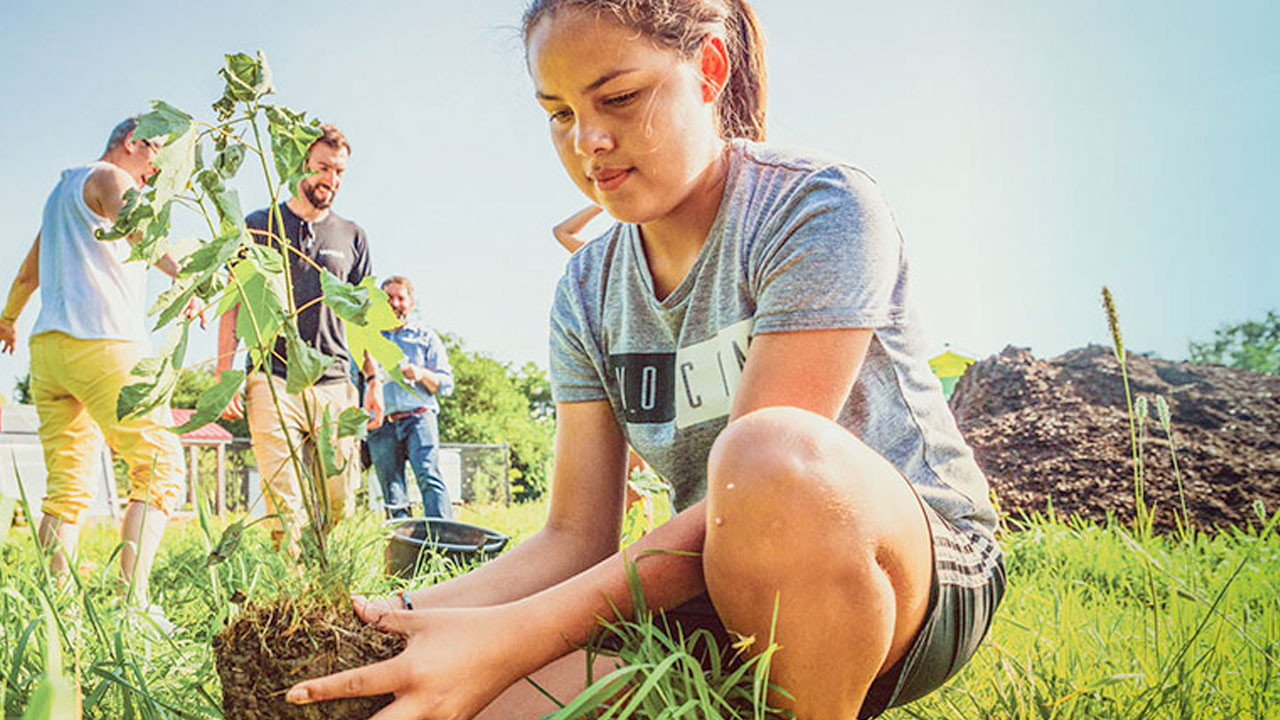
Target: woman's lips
point(607, 180)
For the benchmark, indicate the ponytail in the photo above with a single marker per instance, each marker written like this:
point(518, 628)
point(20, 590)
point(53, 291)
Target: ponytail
point(741, 107)
point(682, 25)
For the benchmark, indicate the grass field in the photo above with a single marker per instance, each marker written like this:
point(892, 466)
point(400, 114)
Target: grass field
point(1095, 624)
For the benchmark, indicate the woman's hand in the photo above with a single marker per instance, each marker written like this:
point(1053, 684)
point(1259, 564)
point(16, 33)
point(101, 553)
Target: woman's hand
point(456, 662)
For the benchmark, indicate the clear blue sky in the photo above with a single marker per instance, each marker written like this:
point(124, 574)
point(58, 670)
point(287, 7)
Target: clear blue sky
point(1031, 151)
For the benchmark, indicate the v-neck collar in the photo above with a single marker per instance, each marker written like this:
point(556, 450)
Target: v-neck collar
point(710, 245)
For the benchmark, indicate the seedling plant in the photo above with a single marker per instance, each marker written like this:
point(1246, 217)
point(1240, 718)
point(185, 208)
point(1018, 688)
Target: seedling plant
point(311, 631)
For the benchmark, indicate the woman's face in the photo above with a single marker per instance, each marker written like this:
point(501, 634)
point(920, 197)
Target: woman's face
point(629, 120)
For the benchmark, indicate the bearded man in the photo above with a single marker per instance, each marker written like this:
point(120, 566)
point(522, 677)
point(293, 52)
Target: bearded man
point(312, 238)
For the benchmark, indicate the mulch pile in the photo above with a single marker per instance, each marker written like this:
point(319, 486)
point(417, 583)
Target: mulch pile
point(1057, 431)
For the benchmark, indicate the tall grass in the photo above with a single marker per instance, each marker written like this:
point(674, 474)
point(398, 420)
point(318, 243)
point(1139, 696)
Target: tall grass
point(1074, 638)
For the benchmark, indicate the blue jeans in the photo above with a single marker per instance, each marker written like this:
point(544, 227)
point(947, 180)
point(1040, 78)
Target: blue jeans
point(414, 439)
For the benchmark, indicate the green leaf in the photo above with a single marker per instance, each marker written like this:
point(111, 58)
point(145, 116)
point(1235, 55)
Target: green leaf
point(228, 161)
point(211, 180)
point(150, 366)
point(227, 202)
point(180, 348)
point(213, 401)
point(225, 106)
point(155, 387)
point(158, 377)
point(176, 161)
point(367, 336)
point(163, 120)
point(306, 365)
point(135, 213)
point(324, 444)
point(227, 544)
point(211, 256)
point(209, 285)
point(349, 302)
point(266, 300)
point(54, 698)
point(55, 695)
point(291, 138)
point(229, 300)
point(154, 243)
point(353, 422)
point(246, 79)
point(266, 259)
point(229, 213)
point(172, 301)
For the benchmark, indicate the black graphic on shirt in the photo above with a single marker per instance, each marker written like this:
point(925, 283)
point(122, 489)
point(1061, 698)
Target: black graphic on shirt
point(647, 381)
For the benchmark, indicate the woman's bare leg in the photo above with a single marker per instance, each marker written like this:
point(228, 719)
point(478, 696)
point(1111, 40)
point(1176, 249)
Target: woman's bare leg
point(564, 679)
point(799, 509)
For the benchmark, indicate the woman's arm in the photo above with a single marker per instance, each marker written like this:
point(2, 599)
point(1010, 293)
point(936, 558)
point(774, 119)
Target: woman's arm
point(583, 525)
point(812, 370)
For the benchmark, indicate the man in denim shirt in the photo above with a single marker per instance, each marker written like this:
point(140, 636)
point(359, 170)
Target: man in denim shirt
point(410, 432)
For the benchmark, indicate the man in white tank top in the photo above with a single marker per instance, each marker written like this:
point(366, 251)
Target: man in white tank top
point(88, 336)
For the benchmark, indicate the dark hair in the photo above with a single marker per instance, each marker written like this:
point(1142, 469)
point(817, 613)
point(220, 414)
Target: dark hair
point(681, 25)
point(120, 133)
point(332, 137)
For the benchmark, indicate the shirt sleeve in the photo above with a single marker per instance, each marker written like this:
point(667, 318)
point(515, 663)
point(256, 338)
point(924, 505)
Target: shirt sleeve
point(256, 224)
point(438, 362)
point(830, 258)
point(574, 375)
point(361, 267)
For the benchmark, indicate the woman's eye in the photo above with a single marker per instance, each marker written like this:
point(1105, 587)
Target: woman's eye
point(623, 99)
point(559, 116)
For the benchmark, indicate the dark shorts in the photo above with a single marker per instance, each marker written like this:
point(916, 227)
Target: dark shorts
point(967, 586)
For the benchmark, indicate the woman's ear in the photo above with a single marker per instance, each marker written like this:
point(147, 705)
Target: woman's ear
point(715, 67)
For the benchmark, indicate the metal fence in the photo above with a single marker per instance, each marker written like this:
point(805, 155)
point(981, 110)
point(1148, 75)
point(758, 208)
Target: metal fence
point(473, 472)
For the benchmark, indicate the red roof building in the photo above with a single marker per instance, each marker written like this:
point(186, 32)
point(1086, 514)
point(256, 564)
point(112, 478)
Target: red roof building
point(210, 434)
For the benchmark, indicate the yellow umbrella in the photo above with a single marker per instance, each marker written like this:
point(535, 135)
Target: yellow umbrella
point(948, 367)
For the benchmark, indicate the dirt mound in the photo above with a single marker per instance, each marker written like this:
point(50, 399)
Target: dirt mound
point(269, 648)
point(1058, 431)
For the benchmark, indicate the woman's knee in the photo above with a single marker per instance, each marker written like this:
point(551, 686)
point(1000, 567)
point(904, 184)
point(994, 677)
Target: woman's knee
point(784, 483)
point(780, 459)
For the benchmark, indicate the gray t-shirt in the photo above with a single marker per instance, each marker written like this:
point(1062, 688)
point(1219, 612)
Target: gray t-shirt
point(799, 243)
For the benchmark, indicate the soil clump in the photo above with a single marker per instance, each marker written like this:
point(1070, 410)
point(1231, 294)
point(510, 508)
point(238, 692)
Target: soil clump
point(270, 647)
point(1057, 432)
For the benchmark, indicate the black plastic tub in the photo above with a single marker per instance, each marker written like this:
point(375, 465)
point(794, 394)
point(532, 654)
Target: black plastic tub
point(460, 542)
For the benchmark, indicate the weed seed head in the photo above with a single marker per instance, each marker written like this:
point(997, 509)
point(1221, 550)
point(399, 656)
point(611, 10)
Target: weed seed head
point(1113, 322)
point(1162, 410)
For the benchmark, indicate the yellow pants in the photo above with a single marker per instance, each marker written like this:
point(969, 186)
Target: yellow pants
point(280, 484)
point(75, 384)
